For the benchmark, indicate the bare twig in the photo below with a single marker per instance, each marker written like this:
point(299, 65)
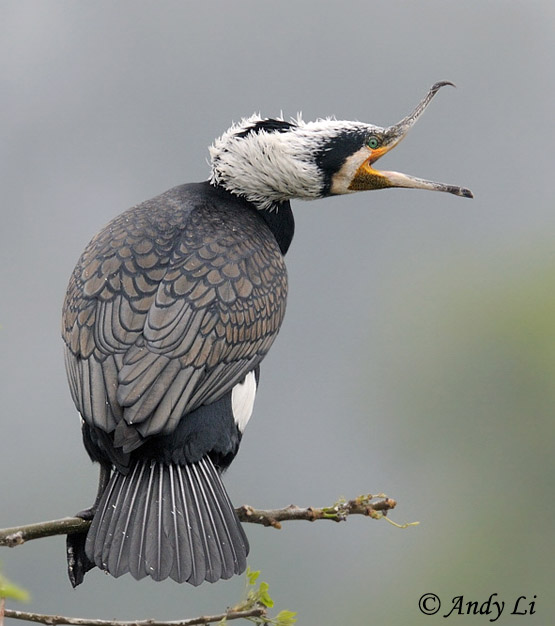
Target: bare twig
point(81, 621)
point(375, 507)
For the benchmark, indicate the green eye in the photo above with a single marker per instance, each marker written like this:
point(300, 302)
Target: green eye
point(373, 142)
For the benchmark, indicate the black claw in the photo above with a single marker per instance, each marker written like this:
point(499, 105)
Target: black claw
point(87, 514)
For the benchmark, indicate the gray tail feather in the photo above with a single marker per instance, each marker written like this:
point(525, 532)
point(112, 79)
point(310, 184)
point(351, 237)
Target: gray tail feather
point(164, 520)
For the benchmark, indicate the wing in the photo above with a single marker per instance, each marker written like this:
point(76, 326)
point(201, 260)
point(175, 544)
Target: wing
point(167, 310)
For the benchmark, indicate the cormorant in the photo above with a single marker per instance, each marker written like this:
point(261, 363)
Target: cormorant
point(168, 314)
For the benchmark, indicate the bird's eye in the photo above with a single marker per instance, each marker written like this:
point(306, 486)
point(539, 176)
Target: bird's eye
point(373, 142)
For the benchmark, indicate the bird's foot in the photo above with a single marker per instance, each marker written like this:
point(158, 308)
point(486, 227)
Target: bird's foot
point(87, 514)
point(78, 563)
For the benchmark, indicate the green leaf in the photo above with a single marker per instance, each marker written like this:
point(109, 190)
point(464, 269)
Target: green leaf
point(285, 618)
point(252, 576)
point(264, 596)
point(12, 592)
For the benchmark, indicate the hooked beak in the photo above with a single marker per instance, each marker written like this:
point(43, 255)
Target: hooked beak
point(367, 177)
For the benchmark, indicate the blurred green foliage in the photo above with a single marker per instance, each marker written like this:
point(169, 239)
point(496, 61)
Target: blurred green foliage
point(9, 591)
point(469, 385)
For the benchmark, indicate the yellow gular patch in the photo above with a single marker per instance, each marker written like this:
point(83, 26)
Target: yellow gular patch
point(342, 180)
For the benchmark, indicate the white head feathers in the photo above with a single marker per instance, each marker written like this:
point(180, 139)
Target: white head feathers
point(271, 161)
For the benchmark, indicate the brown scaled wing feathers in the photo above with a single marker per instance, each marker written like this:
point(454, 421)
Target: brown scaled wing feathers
point(167, 310)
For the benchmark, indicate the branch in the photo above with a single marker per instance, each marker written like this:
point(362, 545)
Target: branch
point(18, 535)
point(79, 621)
point(375, 507)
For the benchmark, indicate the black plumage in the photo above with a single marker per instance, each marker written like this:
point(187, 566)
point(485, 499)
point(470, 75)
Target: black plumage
point(168, 519)
point(170, 307)
point(168, 314)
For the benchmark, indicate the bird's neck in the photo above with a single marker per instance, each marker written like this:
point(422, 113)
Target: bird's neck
point(278, 218)
point(281, 222)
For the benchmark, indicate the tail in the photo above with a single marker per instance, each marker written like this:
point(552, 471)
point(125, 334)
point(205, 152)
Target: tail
point(168, 520)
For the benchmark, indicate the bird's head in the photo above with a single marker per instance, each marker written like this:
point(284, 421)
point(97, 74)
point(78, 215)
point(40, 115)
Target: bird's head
point(269, 161)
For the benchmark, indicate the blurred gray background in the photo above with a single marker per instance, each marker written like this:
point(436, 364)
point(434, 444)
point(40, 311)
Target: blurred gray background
point(418, 352)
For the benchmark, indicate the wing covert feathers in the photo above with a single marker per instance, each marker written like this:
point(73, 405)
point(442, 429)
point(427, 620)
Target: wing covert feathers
point(165, 521)
point(167, 309)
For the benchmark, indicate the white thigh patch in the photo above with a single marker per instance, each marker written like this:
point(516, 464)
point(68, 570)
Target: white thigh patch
point(242, 400)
